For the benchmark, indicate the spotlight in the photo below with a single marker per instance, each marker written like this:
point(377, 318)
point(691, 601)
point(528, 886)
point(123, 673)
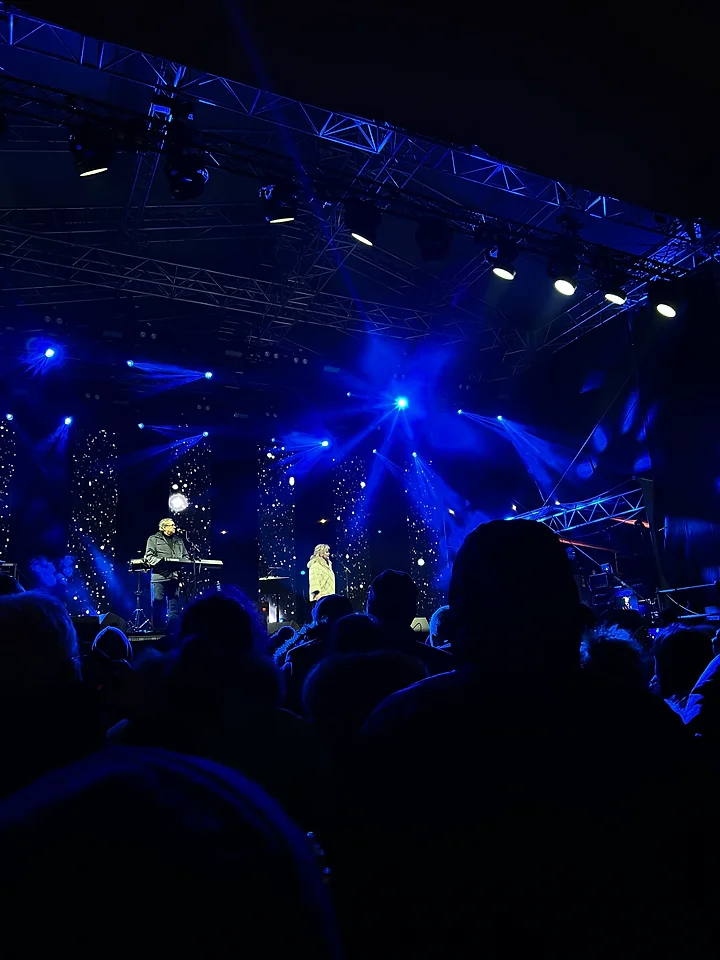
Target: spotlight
point(612, 286)
point(325, 443)
point(208, 375)
point(460, 411)
point(50, 353)
point(130, 363)
point(270, 456)
point(186, 176)
point(141, 426)
point(349, 394)
point(514, 506)
point(280, 202)
point(401, 403)
point(414, 454)
point(434, 238)
point(92, 149)
point(421, 562)
point(291, 481)
point(205, 433)
point(663, 295)
point(502, 261)
point(362, 219)
point(67, 421)
point(562, 268)
point(9, 416)
point(499, 417)
point(177, 502)
point(374, 450)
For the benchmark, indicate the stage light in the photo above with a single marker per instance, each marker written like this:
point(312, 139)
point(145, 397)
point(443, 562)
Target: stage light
point(414, 454)
point(9, 416)
point(611, 285)
point(186, 176)
point(499, 417)
point(362, 484)
point(401, 403)
point(374, 450)
point(323, 520)
point(349, 394)
point(557, 503)
point(459, 411)
point(130, 363)
point(514, 507)
point(562, 268)
point(67, 421)
point(223, 532)
point(421, 562)
point(177, 502)
point(208, 375)
point(141, 426)
point(616, 296)
point(325, 443)
point(502, 260)
point(279, 201)
point(270, 456)
point(666, 310)
point(291, 481)
point(92, 149)
point(205, 433)
point(50, 353)
point(451, 511)
point(362, 219)
point(434, 238)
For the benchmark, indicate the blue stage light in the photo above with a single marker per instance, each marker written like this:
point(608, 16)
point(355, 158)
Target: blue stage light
point(141, 426)
point(325, 443)
point(414, 453)
point(50, 353)
point(9, 416)
point(499, 417)
point(374, 451)
point(130, 363)
point(401, 403)
point(208, 375)
point(459, 411)
point(67, 421)
point(205, 433)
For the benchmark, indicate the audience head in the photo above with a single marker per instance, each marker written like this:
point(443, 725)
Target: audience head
point(112, 644)
point(38, 647)
point(393, 598)
point(517, 575)
point(197, 828)
point(9, 585)
point(611, 654)
point(681, 654)
point(282, 635)
point(356, 633)
point(228, 614)
point(332, 608)
point(342, 691)
point(442, 627)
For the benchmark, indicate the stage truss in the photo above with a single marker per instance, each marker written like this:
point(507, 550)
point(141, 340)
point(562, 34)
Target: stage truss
point(625, 506)
point(413, 175)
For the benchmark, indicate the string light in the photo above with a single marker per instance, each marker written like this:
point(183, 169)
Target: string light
point(93, 530)
point(352, 541)
point(190, 478)
point(276, 519)
point(7, 469)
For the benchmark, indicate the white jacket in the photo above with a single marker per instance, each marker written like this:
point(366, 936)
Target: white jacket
point(322, 578)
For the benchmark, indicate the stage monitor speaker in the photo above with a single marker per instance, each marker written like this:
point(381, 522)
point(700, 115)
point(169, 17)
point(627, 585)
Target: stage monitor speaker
point(113, 620)
point(420, 625)
point(274, 627)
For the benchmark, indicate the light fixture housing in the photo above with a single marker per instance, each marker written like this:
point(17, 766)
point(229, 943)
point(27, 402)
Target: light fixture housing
point(362, 219)
point(563, 268)
point(92, 149)
point(280, 202)
point(665, 297)
point(186, 175)
point(502, 258)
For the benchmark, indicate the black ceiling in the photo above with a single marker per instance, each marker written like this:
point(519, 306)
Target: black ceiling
point(621, 102)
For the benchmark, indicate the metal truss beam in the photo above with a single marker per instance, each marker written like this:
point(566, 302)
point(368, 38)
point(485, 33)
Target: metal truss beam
point(161, 223)
point(401, 155)
point(64, 263)
point(612, 506)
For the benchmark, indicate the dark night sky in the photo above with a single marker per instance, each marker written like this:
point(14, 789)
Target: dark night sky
point(623, 104)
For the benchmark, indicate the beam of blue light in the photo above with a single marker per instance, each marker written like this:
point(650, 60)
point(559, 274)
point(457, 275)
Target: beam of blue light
point(67, 421)
point(41, 355)
point(205, 433)
point(141, 426)
point(50, 353)
point(324, 443)
point(401, 403)
point(208, 375)
point(499, 417)
point(9, 416)
point(130, 363)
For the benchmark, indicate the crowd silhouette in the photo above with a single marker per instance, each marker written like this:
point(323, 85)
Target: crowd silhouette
point(527, 781)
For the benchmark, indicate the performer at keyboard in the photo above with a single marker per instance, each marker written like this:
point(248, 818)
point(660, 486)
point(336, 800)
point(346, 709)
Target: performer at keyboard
point(165, 581)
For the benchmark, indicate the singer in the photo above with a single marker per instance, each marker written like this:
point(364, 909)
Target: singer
point(322, 576)
point(165, 580)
